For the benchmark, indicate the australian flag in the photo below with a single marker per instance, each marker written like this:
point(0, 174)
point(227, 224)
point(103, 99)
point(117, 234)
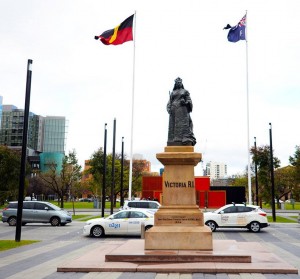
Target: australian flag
point(237, 32)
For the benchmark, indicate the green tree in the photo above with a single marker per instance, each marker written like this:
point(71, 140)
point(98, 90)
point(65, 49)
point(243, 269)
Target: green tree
point(284, 181)
point(138, 167)
point(94, 184)
point(63, 183)
point(96, 169)
point(10, 163)
point(261, 157)
point(70, 175)
point(239, 180)
point(295, 162)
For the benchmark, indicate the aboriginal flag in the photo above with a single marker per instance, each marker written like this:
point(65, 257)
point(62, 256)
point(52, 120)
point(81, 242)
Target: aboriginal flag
point(119, 35)
point(237, 32)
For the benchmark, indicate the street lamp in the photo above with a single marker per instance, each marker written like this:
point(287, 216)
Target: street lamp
point(272, 175)
point(255, 163)
point(104, 172)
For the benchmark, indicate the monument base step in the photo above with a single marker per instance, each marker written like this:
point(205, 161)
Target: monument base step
point(160, 256)
point(93, 260)
point(179, 238)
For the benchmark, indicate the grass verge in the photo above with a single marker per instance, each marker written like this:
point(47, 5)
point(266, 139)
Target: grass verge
point(10, 244)
point(280, 219)
point(85, 217)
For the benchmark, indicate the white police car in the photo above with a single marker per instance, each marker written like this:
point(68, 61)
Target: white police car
point(233, 215)
point(124, 222)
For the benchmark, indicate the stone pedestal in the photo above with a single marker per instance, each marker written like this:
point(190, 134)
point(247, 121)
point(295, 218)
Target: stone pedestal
point(178, 224)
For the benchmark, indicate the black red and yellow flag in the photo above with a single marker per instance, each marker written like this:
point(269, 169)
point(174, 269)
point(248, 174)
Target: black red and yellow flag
point(119, 35)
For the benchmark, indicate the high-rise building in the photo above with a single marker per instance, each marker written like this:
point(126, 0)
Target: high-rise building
point(11, 129)
point(216, 170)
point(54, 134)
point(46, 136)
point(53, 142)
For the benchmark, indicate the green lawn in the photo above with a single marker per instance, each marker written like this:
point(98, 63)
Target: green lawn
point(78, 205)
point(287, 206)
point(280, 219)
point(82, 205)
point(10, 244)
point(85, 217)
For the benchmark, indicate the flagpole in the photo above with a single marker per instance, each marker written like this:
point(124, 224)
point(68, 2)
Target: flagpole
point(248, 133)
point(132, 111)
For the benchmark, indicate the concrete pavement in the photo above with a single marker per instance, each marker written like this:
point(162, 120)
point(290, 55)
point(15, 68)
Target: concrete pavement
point(62, 244)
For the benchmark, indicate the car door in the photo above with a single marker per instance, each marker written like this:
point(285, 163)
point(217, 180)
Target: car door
point(28, 215)
point(229, 216)
point(245, 215)
point(136, 218)
point(42, 215)
point(117, 223)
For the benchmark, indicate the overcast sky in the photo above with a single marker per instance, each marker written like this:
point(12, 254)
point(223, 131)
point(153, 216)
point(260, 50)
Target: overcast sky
point(91, 83)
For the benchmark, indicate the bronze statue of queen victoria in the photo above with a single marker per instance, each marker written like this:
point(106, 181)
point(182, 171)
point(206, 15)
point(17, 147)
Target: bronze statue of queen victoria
point(179, 108)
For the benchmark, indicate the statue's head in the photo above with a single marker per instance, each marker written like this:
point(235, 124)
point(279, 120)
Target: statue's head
point(178, 83)
point(178, 80)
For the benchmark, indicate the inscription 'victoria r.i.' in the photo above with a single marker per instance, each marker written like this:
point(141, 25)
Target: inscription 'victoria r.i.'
point(188, 184)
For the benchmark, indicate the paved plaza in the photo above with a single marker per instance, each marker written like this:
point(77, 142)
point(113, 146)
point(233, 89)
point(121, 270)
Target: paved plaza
point(62, 244)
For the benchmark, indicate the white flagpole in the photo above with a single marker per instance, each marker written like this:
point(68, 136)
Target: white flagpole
point(132, 111)
point(248, 134)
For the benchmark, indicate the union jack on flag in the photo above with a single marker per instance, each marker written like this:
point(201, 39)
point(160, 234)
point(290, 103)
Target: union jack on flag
point(237, 32)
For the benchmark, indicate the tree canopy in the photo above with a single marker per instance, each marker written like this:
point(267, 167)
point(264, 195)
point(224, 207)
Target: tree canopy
point(10, 164)
point(295, 162)
point(97, 171)
point(261, 157)
point(63, 183)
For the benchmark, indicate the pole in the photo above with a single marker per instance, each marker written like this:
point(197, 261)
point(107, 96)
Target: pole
point(132, 112)
point(104, 173)
point(122, 173)
point(248, 133)
point(272, 175)
point(113, 171)
point(24, 149)
point(256, 178)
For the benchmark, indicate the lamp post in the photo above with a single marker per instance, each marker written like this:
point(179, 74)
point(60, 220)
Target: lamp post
point(104, 172)
point(24, 149)
point(255, 163)
point(122, 173)
point(272, 175)
point(113, 171)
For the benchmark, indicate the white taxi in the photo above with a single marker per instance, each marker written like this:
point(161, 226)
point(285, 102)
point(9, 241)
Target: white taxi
point(124, 222)
point(233, 215)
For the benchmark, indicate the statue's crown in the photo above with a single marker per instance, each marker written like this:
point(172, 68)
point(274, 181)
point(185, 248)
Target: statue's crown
point(178, 80)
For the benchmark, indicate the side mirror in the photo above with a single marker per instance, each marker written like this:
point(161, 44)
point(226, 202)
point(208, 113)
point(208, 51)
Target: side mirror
point(46, 208)
point(221, 212)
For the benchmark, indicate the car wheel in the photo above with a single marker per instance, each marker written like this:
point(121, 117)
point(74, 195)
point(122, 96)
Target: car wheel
point(55, 221)
point(97, 231)
point(254, 226)
point(212, 225)
point(23, 224)
point(12, 221)
point(62, 224)
point(148, 228)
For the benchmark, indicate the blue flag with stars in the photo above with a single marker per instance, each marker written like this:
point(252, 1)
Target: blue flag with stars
point(237, 32)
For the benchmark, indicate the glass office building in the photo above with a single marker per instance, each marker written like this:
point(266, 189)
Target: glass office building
point(46, 135)
point(49, 160)
point(11, 127)
point(54, 134)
